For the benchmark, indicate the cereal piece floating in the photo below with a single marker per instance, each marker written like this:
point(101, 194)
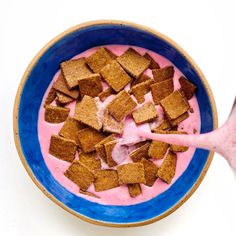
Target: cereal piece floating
point(161, 90)
point(70, 129)
point(90, 85)
point(63, 99)
point(50, 97)
point(105, 94)
point(157, 149)
point(88, 193)
point(54, 114)
point(150, 170)
point(140, 152)
point(105, 179)
point(115, 76)
point(163, 73)
point(141, 89)
point(74, 70)
point(110, 124)
point(133, 62)
point(131, 173)
point(141, 79)
point(167, 169)
point(145, 113)
point(99, 59)
point(175, 105)
point(88, 138)
point(62, 148)
point(121, 105)
point(187, 87)
point(101, 149)
point(80, 175)
point(164, 125)
point(61, 86)
point(134, 190)
point(153, 64)
point(109, 146)
point(86, 112)
point(90, 160)
point(181, 118)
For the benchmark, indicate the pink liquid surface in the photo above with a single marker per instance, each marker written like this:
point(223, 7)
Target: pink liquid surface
point(119, 195)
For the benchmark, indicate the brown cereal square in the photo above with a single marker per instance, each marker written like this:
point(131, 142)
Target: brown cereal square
point(115, 76)
point(70, 129)
point(161, 90)
point(164, 125)
point(153, 64)
point(62, 148)
point(55, 114)
point(105, 94)
point(133, 62)
point(121, 105)
point(157, 149)
point(141, 79)
point(100, 149)
point(140, 153)
point(134, 190)
point(187, 87)
point(108, 149)
point(175, 105)
point(88, 138)
point(145, 113)
point(88, 193)
point(86, 113)
point(131, 173)
point(150, 170)
point(90, 160)
point(90, 85)
point(99, 59)
point(74, 70)
point(141, 89)
point(179, 119)
point(61, 86)
point(163, 73)
point(106, 179)
point(63, 99)
point(177, 148)
point(110, 124)
point(80, 175)
point(50, 97)
point(167, 169)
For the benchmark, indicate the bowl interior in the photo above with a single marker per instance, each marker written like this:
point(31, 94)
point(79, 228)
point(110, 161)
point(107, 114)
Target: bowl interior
point(38, 79)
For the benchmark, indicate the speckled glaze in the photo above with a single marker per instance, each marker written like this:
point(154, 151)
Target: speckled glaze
point(34, 84)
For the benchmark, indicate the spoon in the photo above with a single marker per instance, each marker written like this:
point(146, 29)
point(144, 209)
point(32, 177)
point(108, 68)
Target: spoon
point(221, 140)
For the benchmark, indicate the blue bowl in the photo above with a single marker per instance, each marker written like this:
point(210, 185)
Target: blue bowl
point(31, 91)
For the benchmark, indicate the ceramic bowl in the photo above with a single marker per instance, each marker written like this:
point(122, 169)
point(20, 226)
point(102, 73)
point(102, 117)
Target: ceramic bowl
point(37, 79)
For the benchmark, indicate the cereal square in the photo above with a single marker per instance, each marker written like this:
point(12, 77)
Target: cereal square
point(134, 190)
point(63, 99)
point(167, 169)
point(121, 105)
point(99, 59)
point(179, 119)
point(140, 153)
point(115, 76)
point(86, 113)
point(62, 148)
point(74, 70)
point(61, 86)
point(105, 179)
point(131, 173)
point(163, 73)
point(177, 148)
point(90, 85)
point(70, 129)
point(175, 105)
point(164, 125)
point(143, 77)
point(54, 114)
point(187, 87)
point(88, 138)
point(80, 175)
point(133, 62)
point(50, 97)
point(109, 146)
point(161, 90)
point(105, 94)
point(145, 113)
point(153, 64)
point(157, 149)
point(90, 160)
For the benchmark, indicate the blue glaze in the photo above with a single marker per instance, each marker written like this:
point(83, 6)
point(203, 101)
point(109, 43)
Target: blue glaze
point(33, 92)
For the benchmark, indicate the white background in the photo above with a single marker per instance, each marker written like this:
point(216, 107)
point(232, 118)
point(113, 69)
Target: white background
point(205, 29)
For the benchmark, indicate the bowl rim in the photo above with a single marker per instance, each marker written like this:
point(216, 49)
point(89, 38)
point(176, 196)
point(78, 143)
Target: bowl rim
point(17, 103)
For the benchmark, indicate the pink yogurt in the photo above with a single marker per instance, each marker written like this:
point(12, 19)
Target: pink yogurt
point(119, 195)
